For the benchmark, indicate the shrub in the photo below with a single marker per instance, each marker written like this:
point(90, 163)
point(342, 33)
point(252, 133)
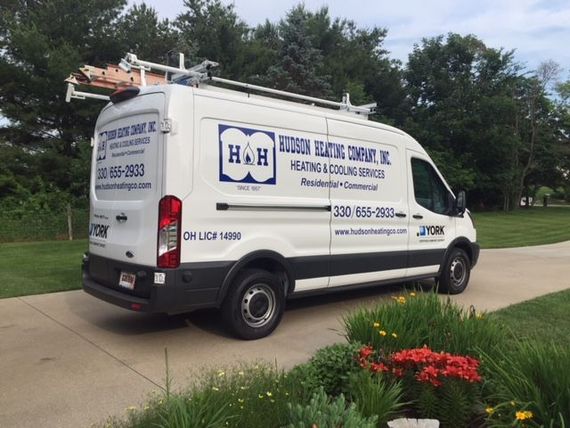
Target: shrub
point(533, 378)
point(332, 366)
point(323, 413)
point(375, 396)
point(415, 320)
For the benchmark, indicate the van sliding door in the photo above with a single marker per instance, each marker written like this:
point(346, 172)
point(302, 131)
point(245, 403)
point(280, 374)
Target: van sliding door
point(369, 222)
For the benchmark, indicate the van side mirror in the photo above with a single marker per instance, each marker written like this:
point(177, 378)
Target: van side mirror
point(460, 202)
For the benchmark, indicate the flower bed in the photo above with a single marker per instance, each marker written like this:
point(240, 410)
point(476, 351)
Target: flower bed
point(416, 356)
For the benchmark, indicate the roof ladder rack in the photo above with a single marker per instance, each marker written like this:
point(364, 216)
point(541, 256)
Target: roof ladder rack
point(136, 72)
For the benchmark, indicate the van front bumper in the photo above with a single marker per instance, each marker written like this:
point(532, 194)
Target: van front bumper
point(190, 287)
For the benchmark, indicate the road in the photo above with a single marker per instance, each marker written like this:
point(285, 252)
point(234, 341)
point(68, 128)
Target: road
point(70, 360)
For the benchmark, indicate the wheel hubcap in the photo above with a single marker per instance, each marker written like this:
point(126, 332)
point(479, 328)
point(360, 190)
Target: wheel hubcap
point(457, 271)
point(258, 305)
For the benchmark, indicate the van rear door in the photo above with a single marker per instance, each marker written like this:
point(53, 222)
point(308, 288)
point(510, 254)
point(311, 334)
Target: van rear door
point(126, 180)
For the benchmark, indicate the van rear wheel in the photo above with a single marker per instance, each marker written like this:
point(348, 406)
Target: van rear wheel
point(455, 273)
point(254, 305)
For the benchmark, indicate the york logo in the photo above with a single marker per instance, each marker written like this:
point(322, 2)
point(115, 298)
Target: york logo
point(431, 231)
point(102, 146)
point(98, 230)
point(246, 155)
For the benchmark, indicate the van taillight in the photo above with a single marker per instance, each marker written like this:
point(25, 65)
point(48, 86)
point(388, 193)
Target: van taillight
point(169, 223)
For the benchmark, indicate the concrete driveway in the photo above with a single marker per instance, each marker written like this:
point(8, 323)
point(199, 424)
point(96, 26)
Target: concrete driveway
point(70, 360)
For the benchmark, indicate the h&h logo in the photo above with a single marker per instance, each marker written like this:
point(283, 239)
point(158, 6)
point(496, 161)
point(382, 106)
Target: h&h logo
point(102, 146)
point(246, 155)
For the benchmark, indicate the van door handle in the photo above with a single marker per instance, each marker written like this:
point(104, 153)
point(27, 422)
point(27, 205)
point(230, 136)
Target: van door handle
point(121, 217)
point(418, 216)
point(400, 214)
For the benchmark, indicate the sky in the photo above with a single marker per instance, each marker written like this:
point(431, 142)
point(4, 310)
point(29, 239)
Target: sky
point(539, 30)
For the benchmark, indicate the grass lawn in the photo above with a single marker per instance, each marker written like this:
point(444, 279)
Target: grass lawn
point(40, 267)
point(533, 226)
point(544, 319)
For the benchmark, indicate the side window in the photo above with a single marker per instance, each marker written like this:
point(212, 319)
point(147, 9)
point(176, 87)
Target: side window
point(429, 190)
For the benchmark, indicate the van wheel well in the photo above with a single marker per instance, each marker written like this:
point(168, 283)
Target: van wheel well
point(467, 248)
point(273, 267)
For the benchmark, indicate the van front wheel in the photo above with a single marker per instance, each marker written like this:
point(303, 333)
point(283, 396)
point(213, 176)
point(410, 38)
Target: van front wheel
point(455, 273)
point(254, 305)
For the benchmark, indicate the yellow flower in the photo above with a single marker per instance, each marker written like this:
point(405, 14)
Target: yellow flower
point(240, 373)
point(382, 333)
point(394, 335)
point(523, 415)
point(221, 373)
point(243, 388)
point(215, 388)
point(513, 403)
point(240, 400)
point(131, 408)
point(480, 316)
point(260, 396)
point(413, 294)
point(490, 410)
point(269, 394)
point(400, 299)
point(376, 324)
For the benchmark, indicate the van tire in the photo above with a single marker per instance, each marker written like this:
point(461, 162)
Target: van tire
point(254, 304)
point(455, 274)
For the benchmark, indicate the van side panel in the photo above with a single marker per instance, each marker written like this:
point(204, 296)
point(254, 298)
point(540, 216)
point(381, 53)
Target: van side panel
point(258, 185)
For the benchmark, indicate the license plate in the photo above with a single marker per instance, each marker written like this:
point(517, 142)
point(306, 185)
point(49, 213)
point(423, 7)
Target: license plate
point(127, 280)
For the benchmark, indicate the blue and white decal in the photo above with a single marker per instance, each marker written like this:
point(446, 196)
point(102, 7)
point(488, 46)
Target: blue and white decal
point(102, 146)
point(247, 155)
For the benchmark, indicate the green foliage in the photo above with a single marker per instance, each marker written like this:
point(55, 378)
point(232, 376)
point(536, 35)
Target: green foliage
point(375, 396)
point(533, 376)
point(297, 68)
point(324, 413)
point(419, 319)
point(179, 411)
point(332, 366)
point(250, 396)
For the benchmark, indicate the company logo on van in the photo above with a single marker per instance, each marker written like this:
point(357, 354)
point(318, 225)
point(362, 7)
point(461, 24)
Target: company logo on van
point(97, 230)
point(431, 231)
point(247, 155)
point(102, 146)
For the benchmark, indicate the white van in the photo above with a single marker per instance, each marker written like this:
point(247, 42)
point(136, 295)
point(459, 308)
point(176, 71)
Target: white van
point(207, 197)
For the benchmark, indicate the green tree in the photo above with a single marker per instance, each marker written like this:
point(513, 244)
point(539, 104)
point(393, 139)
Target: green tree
point(461, 110)
point(297, 69)
point(41, 42)
point(212, 30)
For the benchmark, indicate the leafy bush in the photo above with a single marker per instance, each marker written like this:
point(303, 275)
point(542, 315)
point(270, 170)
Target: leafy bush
point(533, 378)
point(415, 320)
point(375, 396)
point(331, 368)
point(321, 412)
